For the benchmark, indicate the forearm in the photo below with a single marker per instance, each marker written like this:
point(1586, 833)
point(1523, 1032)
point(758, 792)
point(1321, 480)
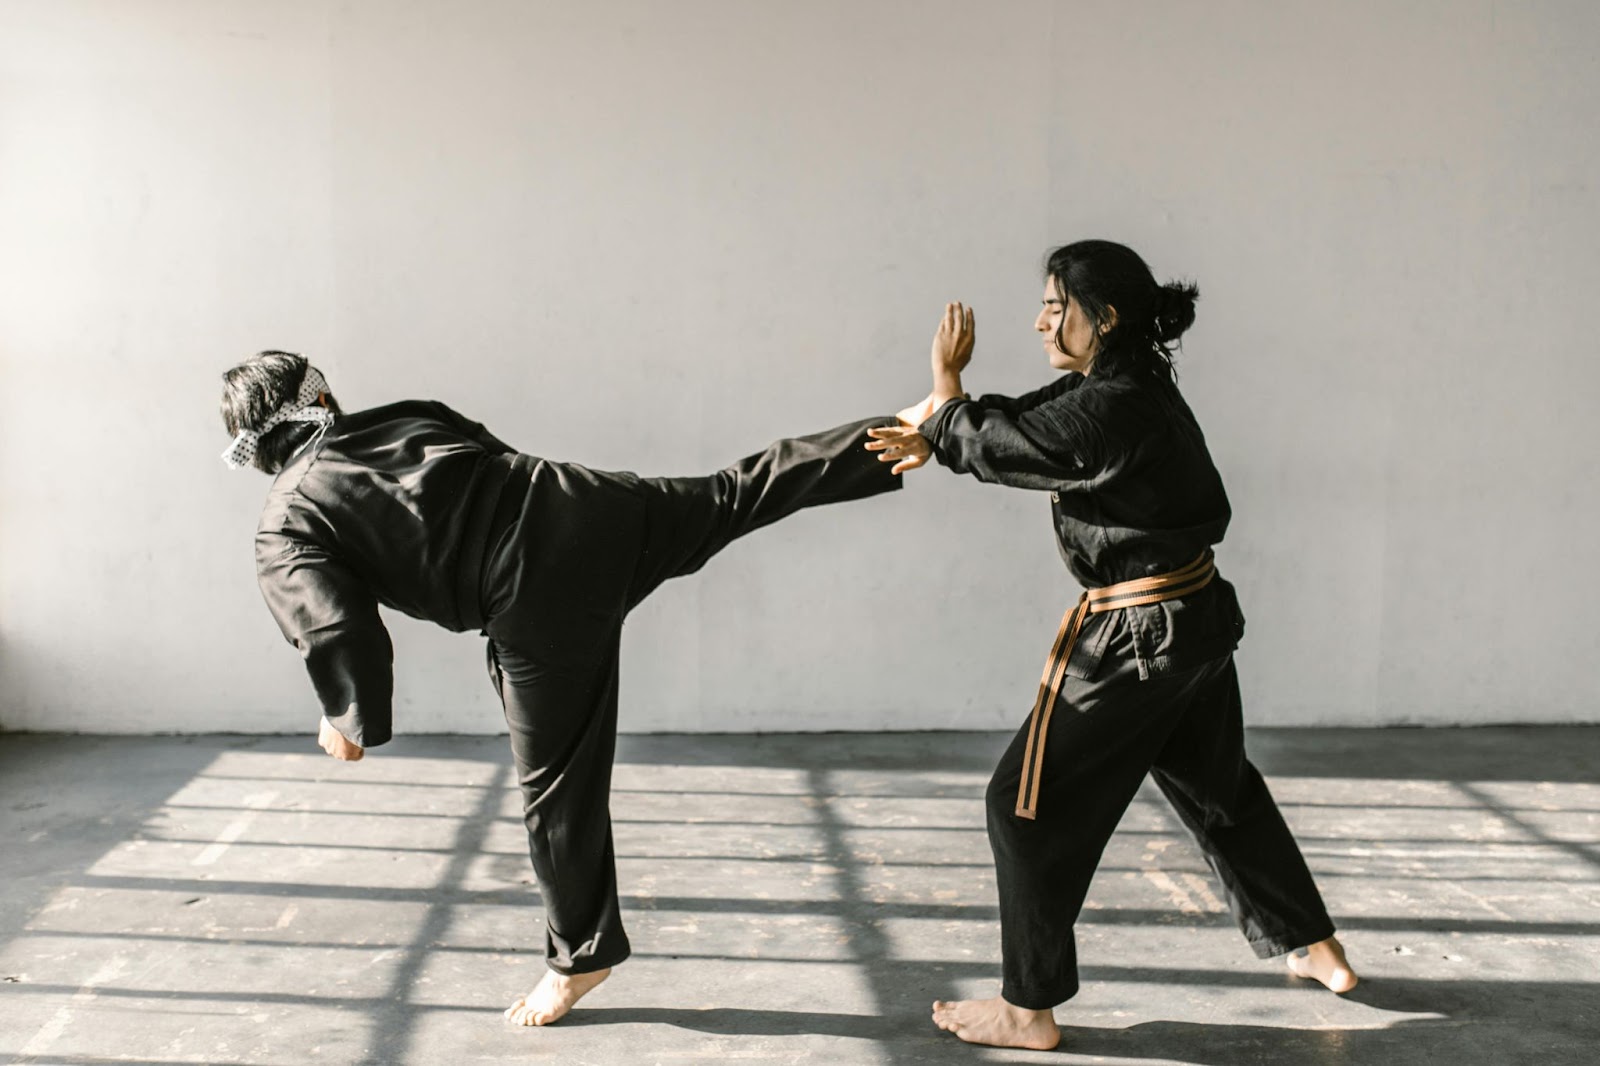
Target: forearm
point(966, 438)
point(946, 386)
point(1017, 405)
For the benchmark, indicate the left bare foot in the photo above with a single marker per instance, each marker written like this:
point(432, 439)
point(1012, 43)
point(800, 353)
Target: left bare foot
point(1324, 961)
point(553, 997)
point(997, 1023)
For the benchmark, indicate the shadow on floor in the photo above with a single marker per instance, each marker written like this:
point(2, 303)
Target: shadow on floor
point(1477, 1021)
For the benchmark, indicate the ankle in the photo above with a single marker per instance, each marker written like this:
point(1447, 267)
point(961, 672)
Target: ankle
point(1027, 1014)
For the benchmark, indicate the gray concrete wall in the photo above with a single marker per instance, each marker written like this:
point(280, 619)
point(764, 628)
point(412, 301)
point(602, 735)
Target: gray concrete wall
point(654, 236)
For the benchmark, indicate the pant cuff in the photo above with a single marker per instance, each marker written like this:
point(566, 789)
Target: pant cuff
point(1037, 999)
point(1268, 947)
point(591, 963)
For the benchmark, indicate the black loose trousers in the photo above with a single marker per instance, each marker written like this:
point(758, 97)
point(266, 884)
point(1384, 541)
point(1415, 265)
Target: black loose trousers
point(1148, 689)
point(1185, 729)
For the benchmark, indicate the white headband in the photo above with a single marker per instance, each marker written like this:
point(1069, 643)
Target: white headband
point(303, 408)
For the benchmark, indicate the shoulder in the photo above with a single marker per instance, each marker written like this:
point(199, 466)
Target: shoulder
point(1133, 396)
point(1088, 396)
point(390, 412)
point(1122, 409)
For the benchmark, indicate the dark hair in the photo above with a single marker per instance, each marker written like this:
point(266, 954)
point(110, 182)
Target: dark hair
point(1105, 275)
point(256, 388)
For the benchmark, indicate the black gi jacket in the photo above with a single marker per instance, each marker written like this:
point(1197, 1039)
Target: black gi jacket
point(419, 509)
point(392, 505)
point(1133, 492)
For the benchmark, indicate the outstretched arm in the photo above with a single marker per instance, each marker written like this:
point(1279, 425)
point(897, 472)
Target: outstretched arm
point(1052, 446)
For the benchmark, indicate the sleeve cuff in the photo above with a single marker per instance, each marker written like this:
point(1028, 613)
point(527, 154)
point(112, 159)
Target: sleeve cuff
point(358, 729)
point(933, 426)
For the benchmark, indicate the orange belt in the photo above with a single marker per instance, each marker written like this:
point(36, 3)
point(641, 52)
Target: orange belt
point(1192, 578)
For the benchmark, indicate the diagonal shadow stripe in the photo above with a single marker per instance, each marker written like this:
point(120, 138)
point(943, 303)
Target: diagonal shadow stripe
point(394, 1018)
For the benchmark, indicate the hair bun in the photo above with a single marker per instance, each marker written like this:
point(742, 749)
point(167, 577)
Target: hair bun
point(1175, 309)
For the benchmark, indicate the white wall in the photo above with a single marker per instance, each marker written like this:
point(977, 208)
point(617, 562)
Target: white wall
point(653, 236)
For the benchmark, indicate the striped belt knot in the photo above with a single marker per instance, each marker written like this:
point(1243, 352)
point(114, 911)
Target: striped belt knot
point(1181, 582)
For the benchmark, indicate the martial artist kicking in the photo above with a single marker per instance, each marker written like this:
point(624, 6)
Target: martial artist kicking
point(415, 507)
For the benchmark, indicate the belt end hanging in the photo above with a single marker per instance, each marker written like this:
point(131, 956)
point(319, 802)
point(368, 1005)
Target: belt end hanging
point(1025, 812)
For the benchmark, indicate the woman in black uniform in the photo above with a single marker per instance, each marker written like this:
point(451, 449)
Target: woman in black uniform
point(1141, 676)
point(417, 508)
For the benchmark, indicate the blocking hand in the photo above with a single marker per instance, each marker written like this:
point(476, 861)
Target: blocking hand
point(901, 445)
point(953, 340)
point(334, 743)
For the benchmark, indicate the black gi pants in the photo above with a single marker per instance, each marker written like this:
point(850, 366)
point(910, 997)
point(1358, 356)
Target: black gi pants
point(1187, 731)
point(589, 547)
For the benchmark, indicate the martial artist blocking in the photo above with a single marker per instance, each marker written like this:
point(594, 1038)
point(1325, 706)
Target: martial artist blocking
point(1141, 676)
point(417, 508)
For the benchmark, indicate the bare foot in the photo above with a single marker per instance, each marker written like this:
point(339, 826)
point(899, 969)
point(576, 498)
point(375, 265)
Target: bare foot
point(997, 1023)
point(553, 996)
point(1325, 962)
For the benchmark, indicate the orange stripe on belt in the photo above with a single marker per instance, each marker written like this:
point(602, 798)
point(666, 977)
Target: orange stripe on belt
point(1181, 582)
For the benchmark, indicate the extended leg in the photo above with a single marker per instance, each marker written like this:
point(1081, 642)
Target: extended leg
point(688, 520)
point(1224, 802)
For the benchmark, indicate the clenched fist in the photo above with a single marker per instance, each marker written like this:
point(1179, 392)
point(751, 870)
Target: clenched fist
point(334, 743)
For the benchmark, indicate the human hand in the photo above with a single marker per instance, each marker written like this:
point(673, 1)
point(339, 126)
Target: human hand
point(901, 445)
point(953, 340)
point(334, 743)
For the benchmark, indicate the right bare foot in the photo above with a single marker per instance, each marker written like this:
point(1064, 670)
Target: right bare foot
point(553, 996)
point(1324, 961)
point(997, 1023)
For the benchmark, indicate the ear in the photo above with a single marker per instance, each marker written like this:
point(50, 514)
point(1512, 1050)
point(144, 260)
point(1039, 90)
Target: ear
point(1111, 320)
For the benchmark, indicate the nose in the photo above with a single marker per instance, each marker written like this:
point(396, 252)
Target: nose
point(1042, 323)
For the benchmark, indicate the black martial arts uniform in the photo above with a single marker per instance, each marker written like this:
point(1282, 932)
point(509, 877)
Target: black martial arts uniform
point(1147, 688)
point(415, 507)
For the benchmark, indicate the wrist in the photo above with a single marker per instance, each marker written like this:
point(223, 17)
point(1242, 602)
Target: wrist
point(946, 387)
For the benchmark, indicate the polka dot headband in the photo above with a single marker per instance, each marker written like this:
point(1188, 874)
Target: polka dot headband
point(303, 408)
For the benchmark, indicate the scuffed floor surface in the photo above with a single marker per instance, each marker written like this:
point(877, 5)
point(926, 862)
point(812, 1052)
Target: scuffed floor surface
point(791, 899)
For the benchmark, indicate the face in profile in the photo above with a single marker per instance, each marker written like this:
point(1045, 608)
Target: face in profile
point(1070, 340)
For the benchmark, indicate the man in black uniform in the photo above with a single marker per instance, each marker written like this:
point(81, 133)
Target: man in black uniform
point(415, 507)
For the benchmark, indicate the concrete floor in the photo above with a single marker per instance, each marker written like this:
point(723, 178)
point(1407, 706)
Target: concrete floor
point(791, 899)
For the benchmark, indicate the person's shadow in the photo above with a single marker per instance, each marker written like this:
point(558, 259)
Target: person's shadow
point(1464, 1023)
